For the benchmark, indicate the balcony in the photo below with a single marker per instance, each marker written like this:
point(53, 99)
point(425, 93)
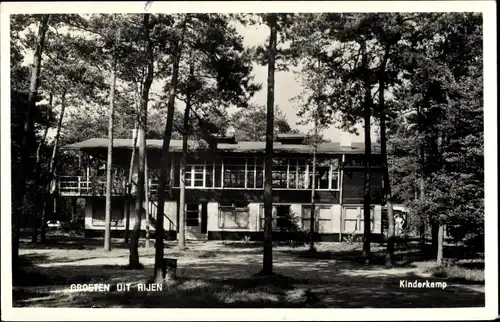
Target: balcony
point(241, 173)
point(96, 186)
point(83, 186)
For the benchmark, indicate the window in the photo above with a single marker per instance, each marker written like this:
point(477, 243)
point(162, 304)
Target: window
point(193, 177)
point(335, 174)
point(98, 212)
point(306, 219)
point(234, 173)
point(198, 175)
point(283, 219)
point(280, 169)
point(209, 175)
point(262, 217)
point(335, 181)
point(353, 219)
point(327, 174)
point(234, 215)
point(293, 174)
point(323, 217)
point(322, 176)
point(250, 173)
point(259, 180)
point(218, 175)
point(302, 177)
point(192, 214)
point(240, 172)
point(188, 176)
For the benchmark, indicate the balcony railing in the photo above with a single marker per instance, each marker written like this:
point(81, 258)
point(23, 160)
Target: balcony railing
point(96, 186)
point(83, 186)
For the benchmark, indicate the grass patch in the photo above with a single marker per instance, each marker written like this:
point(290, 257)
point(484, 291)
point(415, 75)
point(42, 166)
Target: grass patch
point(205, 254)
point(458, 273)
point(269, 291)
point(222, 274)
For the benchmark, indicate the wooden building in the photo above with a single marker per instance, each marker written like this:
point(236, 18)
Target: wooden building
point(224, 188)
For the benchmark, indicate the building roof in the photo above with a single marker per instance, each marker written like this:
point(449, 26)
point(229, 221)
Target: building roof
point(243, 146)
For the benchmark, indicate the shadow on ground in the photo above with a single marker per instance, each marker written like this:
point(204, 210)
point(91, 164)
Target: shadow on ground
point(230, 282)
point(404, 255)
point(74, 242)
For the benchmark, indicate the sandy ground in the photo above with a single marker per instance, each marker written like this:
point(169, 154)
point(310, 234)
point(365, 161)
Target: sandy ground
point(331, 278)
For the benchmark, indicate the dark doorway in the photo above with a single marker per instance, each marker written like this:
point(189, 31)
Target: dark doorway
point(204, 216)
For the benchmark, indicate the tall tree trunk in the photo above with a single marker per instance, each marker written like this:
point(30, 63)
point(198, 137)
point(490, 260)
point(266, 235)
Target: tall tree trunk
point(440, 242)
point(44, 138)
point(159, 274)
point(52, 165)
point(367, 157)
point(139, 203)
point(422, 219)
point(40, 196)
point(439, 223)
point(313, 182)
point(109, 165)
point(129, 186)
point(146, 198)
point(268, 183)
point(185, 137)
point(24, 162)
point(423, 228)
point(182, 196)
point(385, 166)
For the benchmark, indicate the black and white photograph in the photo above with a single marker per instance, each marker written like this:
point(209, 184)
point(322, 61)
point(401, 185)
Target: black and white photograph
point(249, 155)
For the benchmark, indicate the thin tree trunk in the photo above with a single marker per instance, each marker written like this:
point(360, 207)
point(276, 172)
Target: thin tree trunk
point(43, 218)
point(159, 274)
point(440, 241)
point(129, 187)
point(423, 228)
point(109, 166)
point(58, 135)
point(367, 157)
point(40, 196)
point(139, 204)
point(385, 166)
point(52, 163)
point(313, 187)
point(422, 219)
point(182, 197)
point(146, 198)
point(44, 138)
point(268, 188)
point(440, 224)
point(24, 162)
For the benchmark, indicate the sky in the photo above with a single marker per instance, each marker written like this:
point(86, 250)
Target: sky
point(286, 87)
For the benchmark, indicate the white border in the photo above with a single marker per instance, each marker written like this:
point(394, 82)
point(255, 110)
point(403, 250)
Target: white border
point(488, 8)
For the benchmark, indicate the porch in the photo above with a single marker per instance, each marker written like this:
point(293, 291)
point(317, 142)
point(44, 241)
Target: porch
point(84, 186)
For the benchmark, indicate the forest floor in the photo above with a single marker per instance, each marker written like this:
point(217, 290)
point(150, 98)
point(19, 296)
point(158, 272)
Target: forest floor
point(224, 274)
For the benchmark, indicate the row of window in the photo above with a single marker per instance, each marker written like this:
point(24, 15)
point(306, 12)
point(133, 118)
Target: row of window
point(234, 216)
point(248, 173)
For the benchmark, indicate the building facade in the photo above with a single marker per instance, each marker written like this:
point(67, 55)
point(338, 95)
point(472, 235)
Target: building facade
point(224, 188)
